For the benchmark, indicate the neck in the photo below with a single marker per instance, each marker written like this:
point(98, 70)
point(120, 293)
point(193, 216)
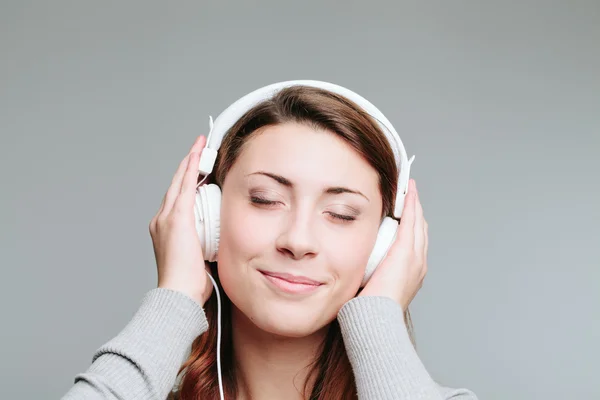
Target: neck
point(269, 366)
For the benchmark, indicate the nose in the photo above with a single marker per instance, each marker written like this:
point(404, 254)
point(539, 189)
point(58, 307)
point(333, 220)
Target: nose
point(297, 239)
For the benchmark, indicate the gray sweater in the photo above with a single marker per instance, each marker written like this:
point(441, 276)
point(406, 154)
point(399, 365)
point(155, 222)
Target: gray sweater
point(142, 361)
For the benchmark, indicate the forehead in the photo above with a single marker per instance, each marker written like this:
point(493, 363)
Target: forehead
point(306, 155)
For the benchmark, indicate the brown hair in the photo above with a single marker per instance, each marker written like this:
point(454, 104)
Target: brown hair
point(331, 371)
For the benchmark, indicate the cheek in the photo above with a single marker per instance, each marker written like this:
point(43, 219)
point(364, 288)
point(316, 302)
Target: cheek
point(244, 235)
point(348, 266)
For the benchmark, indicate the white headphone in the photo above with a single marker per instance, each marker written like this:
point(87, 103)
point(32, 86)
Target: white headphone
point(208, 197)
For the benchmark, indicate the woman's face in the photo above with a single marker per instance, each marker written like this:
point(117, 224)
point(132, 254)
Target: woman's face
point(299, 218)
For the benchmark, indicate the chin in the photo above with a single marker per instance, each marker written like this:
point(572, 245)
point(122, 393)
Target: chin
point(292, 320)
point(283, 317)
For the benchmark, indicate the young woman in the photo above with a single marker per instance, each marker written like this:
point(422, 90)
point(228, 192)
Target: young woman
point(306, 177)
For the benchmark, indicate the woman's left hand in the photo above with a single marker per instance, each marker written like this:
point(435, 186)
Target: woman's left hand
point(400, 275)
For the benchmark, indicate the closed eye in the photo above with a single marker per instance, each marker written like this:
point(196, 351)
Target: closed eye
point(260, 200)
point(266, 202)
point(342, 217)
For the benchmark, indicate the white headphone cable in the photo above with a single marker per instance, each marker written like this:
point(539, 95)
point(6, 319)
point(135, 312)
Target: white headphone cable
point(218, 336)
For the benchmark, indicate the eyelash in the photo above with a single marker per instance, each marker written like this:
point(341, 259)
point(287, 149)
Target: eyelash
point(262, 201)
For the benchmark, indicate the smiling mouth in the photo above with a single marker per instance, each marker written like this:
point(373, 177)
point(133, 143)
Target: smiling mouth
point(291, 283)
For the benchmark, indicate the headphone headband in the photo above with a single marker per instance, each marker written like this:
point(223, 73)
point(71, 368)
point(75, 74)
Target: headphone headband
point(235, 111)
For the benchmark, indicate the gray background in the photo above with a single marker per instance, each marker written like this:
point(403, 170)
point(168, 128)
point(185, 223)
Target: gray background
point(499, 101)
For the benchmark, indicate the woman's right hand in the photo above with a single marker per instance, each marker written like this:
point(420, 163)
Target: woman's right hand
point(177, 248)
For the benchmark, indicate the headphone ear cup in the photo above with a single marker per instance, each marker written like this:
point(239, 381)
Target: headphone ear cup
point(207, 213)
point(385, 237)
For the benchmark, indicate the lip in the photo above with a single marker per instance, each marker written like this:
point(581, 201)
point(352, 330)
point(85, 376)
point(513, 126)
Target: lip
point(291, 283)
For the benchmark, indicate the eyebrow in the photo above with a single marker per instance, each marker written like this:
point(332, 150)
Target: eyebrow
point(286, 182)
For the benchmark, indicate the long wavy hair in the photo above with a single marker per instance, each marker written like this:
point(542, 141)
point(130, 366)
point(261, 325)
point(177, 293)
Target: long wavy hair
point(330, 374)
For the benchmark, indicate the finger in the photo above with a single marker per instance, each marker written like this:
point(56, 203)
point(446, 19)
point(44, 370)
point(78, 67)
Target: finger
point(426, 243)
point(175, 187)
point(406, 236)
point(187, 194)
point(419, 244)
point(197, 148)
point(199, 144)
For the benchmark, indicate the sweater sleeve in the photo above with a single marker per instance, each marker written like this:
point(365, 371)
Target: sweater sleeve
point(384, 361)
point(142, 361)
